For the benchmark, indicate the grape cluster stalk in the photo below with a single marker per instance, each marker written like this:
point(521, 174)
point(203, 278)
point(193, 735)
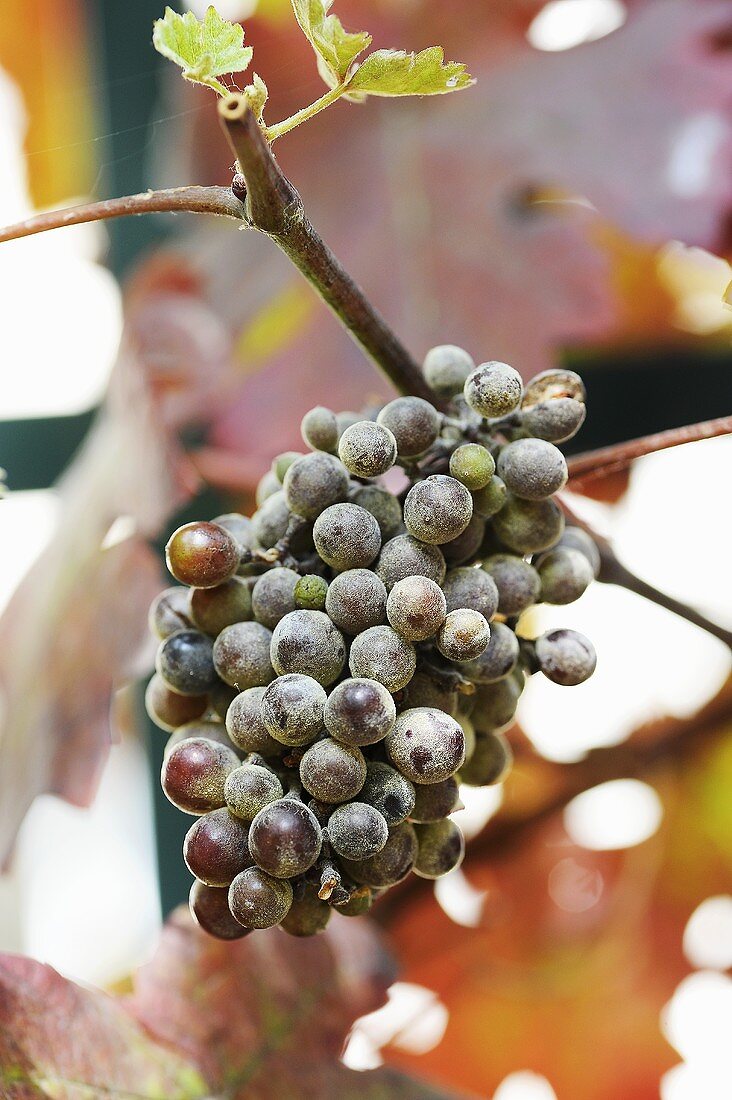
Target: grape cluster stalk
point(334, 667)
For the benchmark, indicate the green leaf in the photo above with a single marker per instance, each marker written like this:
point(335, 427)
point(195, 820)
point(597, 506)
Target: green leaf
point(394, 72)
point(336, 48)
point(257, 93)
point(204, 49)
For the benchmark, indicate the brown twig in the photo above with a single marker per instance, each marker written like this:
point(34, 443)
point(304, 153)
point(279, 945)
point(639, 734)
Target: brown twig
point(175, 200)
point(274, 207)
point(593, 465)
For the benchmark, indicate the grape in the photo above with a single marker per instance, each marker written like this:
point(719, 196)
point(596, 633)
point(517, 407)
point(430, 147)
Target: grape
point(554, 383)
point(435, 800)
point(273, 596)
point(245, 726)
point(169, 612)
point(209, 731)
point(307, 642)
point(528, 526)
point(464, 635)
point(332, 772)
point(249, 788)
point(388, 791)
point(466, 546)
point(356, 600)
point(566, 657)
point(488, 501)
point(493, 389)
point(239, 527)
point(441, 849)
point(167, 708)
point(310, 593)
point(556, 420)
point(347, 536)
point(393, 863)
point(446, 369)
point(209, 906)
point(282, 463)
point(357, 830)
point(471, 587)
point(270, 522)
point(308, 915)
point(319, 429)
point(404, 556)
point(268, 485)
point(345, 419)
point(216, 849)
point(574, 538)
point(383, 506)
point(416, 608)
point(424, 691)
point(367, 449)
point(292, 709)
point(517, 582)
point(426, 745)
point(358, 904)
point(564, 574)
point(473, 465)
point(414, 423)
point(241, 655)
point(313, 483)
point(532, 468)
point(285, 838)
point(194, 773)
point(469, 732)
point(221, 697)
point(211, 609)
point(359, 712)
point(489, 762)
point(495, 704)
point(185, 662)
point(202, 554)
point(257, 900)
point(437, 509)
point(497, 660)
point(379, 653)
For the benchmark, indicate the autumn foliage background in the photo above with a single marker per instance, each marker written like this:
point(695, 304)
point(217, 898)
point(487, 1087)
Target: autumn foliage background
point(574, 206)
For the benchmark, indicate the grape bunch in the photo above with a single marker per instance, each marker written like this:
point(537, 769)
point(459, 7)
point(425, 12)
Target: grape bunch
point(334, 667)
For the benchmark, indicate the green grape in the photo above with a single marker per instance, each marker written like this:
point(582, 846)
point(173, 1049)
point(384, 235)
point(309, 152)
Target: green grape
point(414, 423)
point(270, 522)
point(426, 745)
point(517, 582)
point(383, 506)
point(425, 691)
point(473, 465)
point(241, 655)
point(267, 486)
point(292, 709)
point(488, 501)
point(307, 642)
point(216, 848)
point(257, 900)
point(209, 731)
point(331, 771)
point(245, 726)
point(379, 653)
point(358, 904)
point(388, 791)
point(249, 788)
point(313, 483)
point(498, 658)
point(435, 800)
point(532, 468)
point(319, 429)
point(308, 915)
point(185, 663)
point(566, 657)
point(239, 527)
point(528, 526)
point(357, 830)
point(556, 420)
point(565, 574)
point(416, 608)
point(495, 705)
point(359, 712)
point(310, 593)
point(220, 698)
point(446, 369)
point(167, 708)
point(209, 907)
point(441, 849)
point(574, 538)
point(346, 536)
point(404, 556)
point(273, 596)
point(493, 389)
point(285, 838)
point(202, 555)
point(438, 509)
point(367, 449)
point(464, 635)
point(356, 600)
point(282, 463)
point(466, 546)
point(194, 774)
point(552, 384)
point(471, 587)
point(345, 419)
point(211, 609)
point(389, 866)
point(490, 761)
point(169, 612)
